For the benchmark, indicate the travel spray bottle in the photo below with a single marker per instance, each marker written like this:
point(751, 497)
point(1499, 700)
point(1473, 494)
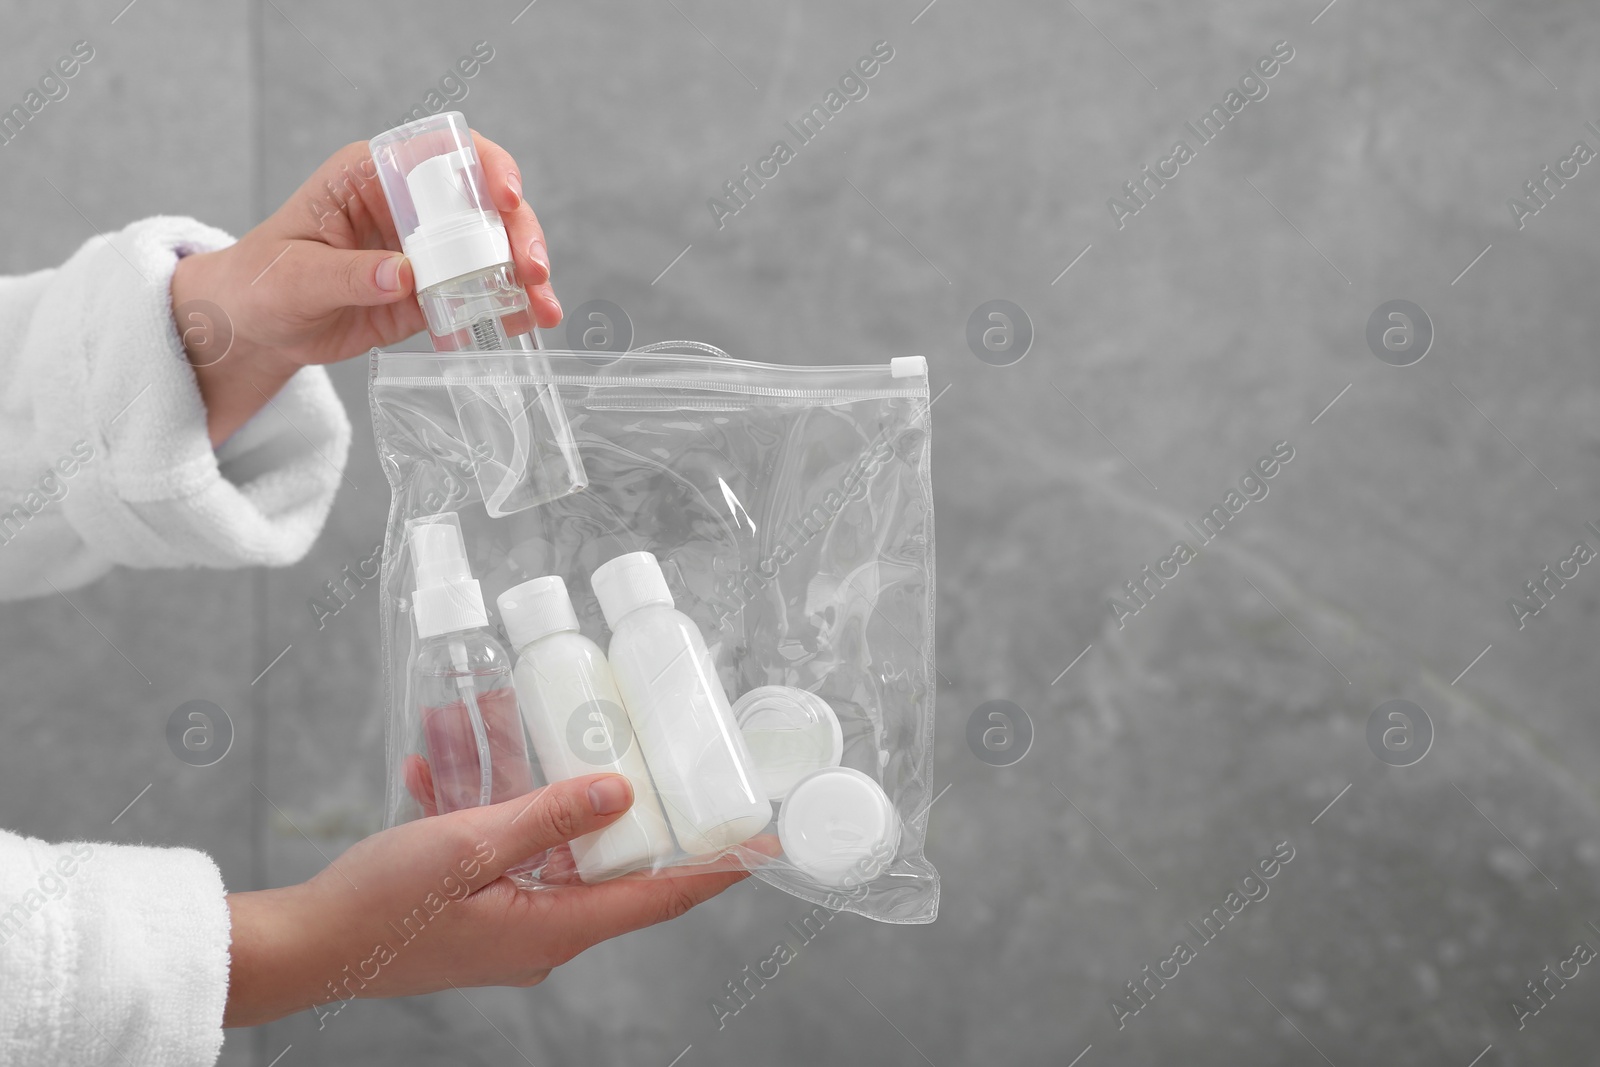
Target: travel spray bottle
point(678, 709)
point(521, 449)
point(576, 720)
point(461, 679)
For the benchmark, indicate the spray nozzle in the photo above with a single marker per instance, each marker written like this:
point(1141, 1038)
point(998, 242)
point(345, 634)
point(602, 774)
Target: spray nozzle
point(438, 554)
point(448, 599)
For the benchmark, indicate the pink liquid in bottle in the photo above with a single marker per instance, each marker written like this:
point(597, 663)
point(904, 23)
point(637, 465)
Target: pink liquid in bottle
point(455, 745)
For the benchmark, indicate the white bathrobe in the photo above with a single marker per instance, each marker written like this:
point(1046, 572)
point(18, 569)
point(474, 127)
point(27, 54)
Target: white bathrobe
point(113, 954)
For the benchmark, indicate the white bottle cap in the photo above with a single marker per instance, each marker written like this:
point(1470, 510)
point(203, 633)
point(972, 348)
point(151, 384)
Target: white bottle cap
point(439, 198)
point(628, 582)
point(447, 597)
point(790, 733)
point(536, 609)
point(838, 826)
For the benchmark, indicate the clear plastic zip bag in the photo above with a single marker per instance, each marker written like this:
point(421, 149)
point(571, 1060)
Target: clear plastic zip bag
point(736, 613)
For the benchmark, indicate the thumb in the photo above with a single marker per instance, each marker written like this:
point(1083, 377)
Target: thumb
point(545, 818)
point(321, 279)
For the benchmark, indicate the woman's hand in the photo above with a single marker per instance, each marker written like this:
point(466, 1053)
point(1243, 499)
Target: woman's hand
point(322, 279)
point(426, 905)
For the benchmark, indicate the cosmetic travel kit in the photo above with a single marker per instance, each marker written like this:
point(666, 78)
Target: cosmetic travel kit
point(710, 575)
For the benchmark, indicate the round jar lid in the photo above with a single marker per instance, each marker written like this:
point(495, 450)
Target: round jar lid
point(790, 733)
point(839, 826)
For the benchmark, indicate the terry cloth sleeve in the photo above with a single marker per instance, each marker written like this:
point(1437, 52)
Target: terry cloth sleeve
point(104, 454)
point(110, 955)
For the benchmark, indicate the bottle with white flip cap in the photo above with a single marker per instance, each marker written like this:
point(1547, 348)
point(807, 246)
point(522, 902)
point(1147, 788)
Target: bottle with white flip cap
point(476, 752)
point(679, 711)
point(522, 450)
point(578, 725)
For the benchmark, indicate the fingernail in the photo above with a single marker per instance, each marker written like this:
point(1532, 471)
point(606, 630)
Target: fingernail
point(389, 274)
point(514, 181)
point(537, 253)
point(610, 795)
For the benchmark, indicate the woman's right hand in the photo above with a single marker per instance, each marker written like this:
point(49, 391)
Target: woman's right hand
point(426, 905)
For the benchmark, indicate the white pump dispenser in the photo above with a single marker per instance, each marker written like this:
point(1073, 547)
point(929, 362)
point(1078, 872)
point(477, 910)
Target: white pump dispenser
point(456, 233)
point(454, 236)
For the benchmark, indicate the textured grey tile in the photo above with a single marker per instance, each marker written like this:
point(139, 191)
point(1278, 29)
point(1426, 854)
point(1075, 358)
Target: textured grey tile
point(1193, 759)
point(158, 122)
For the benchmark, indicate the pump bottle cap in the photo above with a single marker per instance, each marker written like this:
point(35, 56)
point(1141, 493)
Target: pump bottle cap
point(439, 198)
point(447, 598)
point(536, 609)
point(628, 582)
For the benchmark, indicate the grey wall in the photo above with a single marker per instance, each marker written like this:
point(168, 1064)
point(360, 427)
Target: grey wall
point(1223, 718)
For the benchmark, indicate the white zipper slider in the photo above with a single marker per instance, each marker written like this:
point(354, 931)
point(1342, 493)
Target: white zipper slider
point(908, 367)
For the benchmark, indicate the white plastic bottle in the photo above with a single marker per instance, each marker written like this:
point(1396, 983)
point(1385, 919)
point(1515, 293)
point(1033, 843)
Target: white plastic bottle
point(521, 449)
point(679, 710)
point(578, 725)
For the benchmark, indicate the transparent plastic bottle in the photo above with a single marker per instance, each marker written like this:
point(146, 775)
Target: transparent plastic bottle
point(461, 679)
point(679, 711)
point(470, 727)
point(516, 437)
point(578, 725)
